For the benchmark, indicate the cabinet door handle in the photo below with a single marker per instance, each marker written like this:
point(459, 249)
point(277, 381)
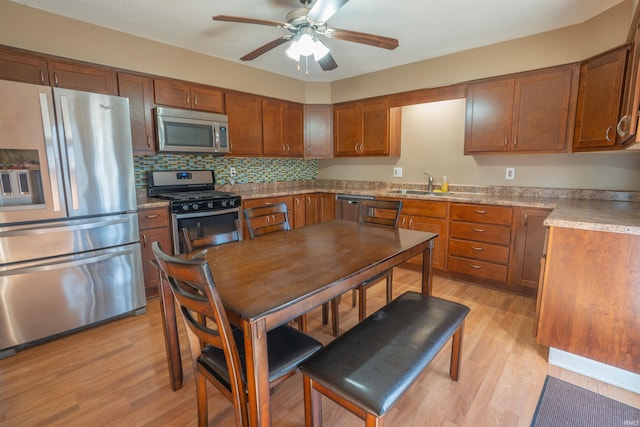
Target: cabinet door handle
point(479, 211)
point(144, 240)
point(55, 77)
point(476, 266)
point(195, 100)
point(186, 99)
point(478, 230)
point(152, 216)
point(606, 135)
point(148, 141)
point(621, 132)
point(506, 140)
point(515, 141)
point(526, 218)
point(411, 223)
point(477, 248)
point(41, 77)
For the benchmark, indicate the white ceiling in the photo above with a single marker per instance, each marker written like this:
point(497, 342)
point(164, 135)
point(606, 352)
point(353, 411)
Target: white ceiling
point(424, 28)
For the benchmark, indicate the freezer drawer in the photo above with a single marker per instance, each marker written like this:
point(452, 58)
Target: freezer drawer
point(33, 241)
point(43, 299)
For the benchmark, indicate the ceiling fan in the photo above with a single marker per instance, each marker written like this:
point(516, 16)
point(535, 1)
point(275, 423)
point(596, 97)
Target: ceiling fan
point(306, 25)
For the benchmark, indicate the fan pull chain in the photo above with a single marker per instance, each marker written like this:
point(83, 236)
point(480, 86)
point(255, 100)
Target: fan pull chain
point(306, 64)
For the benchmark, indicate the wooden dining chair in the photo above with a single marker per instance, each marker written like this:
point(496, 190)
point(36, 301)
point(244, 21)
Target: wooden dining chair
point(193, 244)
point(217, 349)
point(267, 219)
point(384, 213)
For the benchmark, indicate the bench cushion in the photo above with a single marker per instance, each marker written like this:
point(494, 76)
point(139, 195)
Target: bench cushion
point(375, 362)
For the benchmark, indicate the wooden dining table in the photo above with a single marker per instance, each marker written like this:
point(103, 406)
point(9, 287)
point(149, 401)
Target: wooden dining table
point(275, 278)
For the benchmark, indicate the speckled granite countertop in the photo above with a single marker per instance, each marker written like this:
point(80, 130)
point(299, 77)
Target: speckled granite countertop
point(597, 210)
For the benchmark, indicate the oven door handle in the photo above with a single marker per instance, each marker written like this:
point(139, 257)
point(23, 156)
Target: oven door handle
point(205, 213)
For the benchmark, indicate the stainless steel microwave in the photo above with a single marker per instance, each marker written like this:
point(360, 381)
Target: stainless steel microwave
point(188, 131)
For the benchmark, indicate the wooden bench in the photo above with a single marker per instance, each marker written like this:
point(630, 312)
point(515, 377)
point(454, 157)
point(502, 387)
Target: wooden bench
point(367, 369)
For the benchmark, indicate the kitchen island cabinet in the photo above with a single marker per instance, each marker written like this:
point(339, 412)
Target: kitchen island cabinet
point(528, 113)
point(528, 248)
point(154, 225)
point(589, 300)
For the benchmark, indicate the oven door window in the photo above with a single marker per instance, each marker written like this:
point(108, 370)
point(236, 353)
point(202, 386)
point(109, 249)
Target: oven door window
point(200, 226)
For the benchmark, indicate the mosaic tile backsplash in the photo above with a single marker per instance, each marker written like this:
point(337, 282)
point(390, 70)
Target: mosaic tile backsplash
point(248, 170)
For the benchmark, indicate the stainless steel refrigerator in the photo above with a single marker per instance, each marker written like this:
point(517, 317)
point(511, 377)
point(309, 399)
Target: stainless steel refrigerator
point(69, 243)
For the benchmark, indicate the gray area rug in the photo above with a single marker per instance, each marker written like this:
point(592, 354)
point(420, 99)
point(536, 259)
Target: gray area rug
point(564, 404)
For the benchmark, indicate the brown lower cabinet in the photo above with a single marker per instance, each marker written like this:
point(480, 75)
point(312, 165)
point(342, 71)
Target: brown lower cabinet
point(589, 299)
point(154, 226)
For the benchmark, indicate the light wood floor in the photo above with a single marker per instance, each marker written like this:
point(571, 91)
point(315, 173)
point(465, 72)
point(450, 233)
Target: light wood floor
point(115, 374)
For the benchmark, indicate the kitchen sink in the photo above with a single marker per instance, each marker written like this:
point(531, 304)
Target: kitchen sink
point(418, 192)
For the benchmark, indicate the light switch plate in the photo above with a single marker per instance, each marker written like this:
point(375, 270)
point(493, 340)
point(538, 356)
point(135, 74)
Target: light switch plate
point(511, 173)
point(397, 172)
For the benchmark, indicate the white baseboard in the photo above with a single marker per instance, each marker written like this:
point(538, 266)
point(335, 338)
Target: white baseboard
point(597, 370)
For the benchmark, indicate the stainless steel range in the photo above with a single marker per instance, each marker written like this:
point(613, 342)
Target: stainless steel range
point(195, 203)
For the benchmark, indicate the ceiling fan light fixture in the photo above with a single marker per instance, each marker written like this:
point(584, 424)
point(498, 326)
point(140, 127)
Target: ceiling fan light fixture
point(319, 50)
point(306, 45)
point(293, 51)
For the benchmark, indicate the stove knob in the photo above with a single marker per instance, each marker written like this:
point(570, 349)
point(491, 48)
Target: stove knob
point(195, 206)
point(224, 203)
point(185, 207)
point(210, 205)
point(232, 202)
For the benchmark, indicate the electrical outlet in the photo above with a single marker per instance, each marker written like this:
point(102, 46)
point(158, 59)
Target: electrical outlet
point(511, 173)
point(232, 171)
point(397, 172)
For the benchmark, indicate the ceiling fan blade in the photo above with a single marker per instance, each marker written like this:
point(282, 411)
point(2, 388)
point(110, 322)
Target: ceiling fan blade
point(242, 20)
point(325, 9)
point(327, 63)
point(265, 48)
point(364, 38)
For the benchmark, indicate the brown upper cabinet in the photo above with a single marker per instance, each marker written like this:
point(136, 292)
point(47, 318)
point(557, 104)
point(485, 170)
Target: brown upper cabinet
point(527, 113)
point(139, 89)
point(282, 123)
point(89, 78)
point(23, 67)
point(176, 93)
point(366, 128)
point(245, 123)
point(318, 130)
point(599, 101)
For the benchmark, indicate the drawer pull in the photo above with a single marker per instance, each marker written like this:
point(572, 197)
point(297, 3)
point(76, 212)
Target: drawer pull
point(476, 248)
point(481, 212)
point(478, 230)
point(152, 216)
point(476, 266)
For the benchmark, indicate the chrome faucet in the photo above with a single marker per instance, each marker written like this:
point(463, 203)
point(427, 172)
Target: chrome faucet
point(429, 182)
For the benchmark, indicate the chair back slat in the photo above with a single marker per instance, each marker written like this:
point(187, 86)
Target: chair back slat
point(380, 212)
point(263, 220)
point(192, 244)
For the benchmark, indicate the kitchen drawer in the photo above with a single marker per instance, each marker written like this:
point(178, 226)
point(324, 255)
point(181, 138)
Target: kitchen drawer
point(481, 232)
point(479, 251)
point(480, 269)
point(482, 213)
point(424, 208)
point(252, 203)
point(153, 218)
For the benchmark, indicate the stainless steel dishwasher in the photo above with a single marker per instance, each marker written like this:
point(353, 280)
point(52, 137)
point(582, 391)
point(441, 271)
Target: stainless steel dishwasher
point(347, 206)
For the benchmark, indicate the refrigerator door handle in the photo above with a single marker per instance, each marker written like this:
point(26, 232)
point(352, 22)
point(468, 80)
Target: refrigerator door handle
point(89, 258)
point(63, 227)
point(71, 158)
point(50, 150)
